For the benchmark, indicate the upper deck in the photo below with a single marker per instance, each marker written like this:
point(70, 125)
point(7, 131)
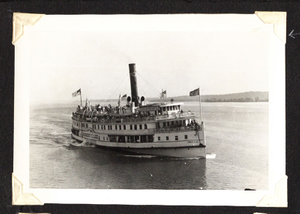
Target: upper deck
point(151, 112)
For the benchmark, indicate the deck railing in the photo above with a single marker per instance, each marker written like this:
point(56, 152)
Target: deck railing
point(174, 115)
point(177, 129)
point(138, 118)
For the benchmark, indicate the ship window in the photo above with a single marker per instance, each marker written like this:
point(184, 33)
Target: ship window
point(103, 138)
point(98, 127)
point(167, 137)
point(116, 127)
point(145, 126)
point(130, 127)
point(158, 138)
point(168, 124)
point(185, 137)
point(135, 127)
point(172, 123)
point(120, 127)
point(141, 126)
point(106, 138)
point(176, 137)
point(151, 138)
point(164, 124)
point(168, 108)
point(124, 127)
point(86, 125)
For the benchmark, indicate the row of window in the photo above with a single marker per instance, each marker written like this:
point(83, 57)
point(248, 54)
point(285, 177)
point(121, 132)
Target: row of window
point(131, 139)
point(172, 123)
point(116, 127)
point(171, 108)
point(176, 137)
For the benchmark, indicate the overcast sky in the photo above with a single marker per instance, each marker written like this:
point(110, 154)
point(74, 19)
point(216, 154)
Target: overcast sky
point(97, 62)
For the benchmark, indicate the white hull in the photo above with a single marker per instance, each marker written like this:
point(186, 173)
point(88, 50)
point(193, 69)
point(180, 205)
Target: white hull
point(80, 139)
point(186, 151)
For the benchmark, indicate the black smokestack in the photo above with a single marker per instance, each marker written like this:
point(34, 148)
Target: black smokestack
point(133, 84)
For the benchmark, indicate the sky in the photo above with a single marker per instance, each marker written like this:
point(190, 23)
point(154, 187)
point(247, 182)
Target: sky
point(223, 62)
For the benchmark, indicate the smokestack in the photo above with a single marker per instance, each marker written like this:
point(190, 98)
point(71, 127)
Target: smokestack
point(133, 84)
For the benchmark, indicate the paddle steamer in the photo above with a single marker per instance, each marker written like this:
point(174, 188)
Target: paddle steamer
point(159, 129)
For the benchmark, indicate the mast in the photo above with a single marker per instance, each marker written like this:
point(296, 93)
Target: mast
point(133, 84)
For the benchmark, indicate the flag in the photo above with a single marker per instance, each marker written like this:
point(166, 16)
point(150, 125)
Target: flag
point(163, 93)
point(124, 96)
point(78, 92)
point(195, 92)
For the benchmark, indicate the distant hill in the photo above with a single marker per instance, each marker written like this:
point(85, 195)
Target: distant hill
point(251, 96)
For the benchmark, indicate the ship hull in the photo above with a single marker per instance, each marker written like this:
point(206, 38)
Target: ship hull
point(177, 152)
point(75, 137)
point(191, 152)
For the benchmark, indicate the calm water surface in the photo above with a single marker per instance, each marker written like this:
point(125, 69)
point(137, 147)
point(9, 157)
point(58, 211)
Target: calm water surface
point(237, 147)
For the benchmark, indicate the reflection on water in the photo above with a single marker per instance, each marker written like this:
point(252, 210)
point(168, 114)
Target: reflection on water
point(236, 145)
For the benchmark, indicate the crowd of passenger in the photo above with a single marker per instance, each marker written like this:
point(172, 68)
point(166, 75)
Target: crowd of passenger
point(180, 125)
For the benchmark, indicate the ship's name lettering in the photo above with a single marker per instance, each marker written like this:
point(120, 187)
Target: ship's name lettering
point(91, 136)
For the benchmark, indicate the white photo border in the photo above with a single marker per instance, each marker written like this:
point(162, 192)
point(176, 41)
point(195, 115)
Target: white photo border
point(188, 22)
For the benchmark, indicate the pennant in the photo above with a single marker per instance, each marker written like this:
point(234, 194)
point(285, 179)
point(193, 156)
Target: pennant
point(78, 92)
point(195, 92)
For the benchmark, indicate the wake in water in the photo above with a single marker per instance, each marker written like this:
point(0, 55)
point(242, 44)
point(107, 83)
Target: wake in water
point(83, 144)
point(211, 156)
point(55, 133)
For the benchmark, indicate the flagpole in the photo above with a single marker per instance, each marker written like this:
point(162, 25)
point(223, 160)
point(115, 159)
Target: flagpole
point(80, 98)
point(200, 106)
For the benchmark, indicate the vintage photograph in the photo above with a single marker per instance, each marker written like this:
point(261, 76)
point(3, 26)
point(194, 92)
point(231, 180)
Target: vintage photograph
point(139, 104)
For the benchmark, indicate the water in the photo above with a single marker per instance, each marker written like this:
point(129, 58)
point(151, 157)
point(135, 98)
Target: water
point(237, 147)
